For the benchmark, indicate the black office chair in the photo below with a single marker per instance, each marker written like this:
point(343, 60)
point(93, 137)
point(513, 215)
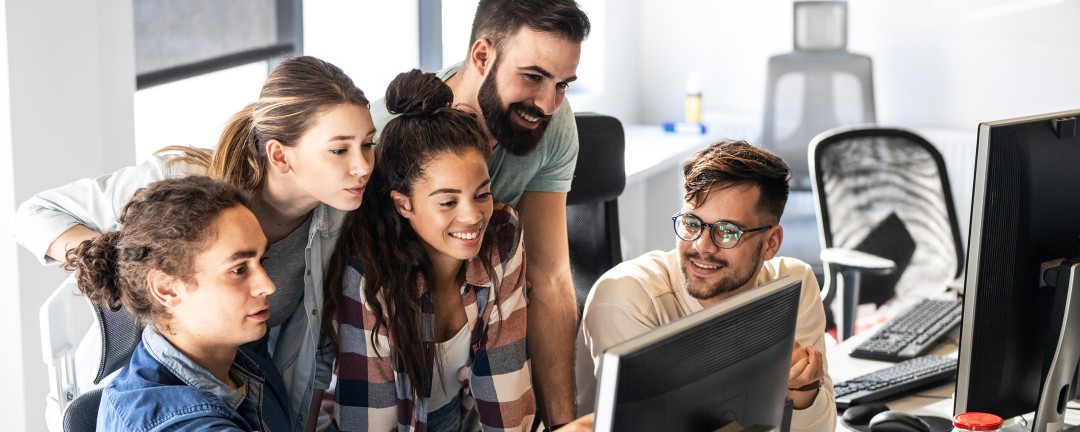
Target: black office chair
point(120, 333)
point(883, 192)
point(592, 212)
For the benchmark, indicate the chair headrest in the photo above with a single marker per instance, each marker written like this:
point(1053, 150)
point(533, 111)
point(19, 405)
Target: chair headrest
point(600, 174)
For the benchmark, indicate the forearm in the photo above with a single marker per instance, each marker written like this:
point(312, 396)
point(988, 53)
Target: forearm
point(552, 325)
point(313, 411)
point(41, 222)
point(802, 399)
point(820, 415)
point(70, 239)
point(552, 310)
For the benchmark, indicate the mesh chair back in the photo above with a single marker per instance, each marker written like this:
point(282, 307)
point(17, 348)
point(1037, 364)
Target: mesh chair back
point(120, 333)
point(81, 413)
point(592, 216)
point(877, 189)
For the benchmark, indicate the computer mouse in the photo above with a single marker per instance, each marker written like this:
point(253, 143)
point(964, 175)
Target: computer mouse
point(860, 415)
point(896, 421)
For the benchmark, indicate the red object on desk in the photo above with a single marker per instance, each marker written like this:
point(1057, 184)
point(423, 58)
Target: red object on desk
point(977, 421)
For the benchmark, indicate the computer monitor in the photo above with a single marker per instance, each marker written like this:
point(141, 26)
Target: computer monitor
point(1019, 343)
point(728, 362)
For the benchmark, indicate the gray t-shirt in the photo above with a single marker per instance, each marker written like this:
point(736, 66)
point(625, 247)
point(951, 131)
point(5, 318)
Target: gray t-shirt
point(284, 265)
point(550, 168)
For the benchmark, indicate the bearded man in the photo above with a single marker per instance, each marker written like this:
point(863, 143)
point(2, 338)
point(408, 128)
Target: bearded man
point(727, 234)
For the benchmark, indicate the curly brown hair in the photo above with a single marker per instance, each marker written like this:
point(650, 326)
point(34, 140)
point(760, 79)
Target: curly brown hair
point(164, 227)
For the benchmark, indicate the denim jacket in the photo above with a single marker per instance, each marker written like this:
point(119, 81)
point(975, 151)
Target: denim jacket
point(162, 389)
point(304, 363)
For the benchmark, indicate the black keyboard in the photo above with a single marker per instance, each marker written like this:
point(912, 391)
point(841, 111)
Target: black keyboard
point(913, 332)
point(901, 377)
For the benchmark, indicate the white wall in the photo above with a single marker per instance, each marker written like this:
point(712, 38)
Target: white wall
point(940, 63)
point(955, 64)
point(609, 85)
point(940, 66)
point(65, 113)
point(10, 404)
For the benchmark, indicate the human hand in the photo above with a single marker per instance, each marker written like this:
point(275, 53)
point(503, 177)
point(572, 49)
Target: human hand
point(807, 367)
point(582, 424)
point(805, 375)
point(798, 353)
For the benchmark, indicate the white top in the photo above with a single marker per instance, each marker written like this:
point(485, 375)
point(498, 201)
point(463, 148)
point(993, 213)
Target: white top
point(454, 354)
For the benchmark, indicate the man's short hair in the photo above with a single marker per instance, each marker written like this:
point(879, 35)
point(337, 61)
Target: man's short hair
point(499, 20)
point(729, 163)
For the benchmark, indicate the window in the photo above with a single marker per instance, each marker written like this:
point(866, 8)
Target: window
point(193, 111)
point(198, 62)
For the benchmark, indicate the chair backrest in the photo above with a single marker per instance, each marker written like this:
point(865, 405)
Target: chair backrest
point(83, 344)
point(592, 216)
point(81, 414)
point(886, 191)
point(817, 87)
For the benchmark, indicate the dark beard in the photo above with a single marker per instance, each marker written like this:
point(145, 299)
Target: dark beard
point(734, 281)
point(515, 139)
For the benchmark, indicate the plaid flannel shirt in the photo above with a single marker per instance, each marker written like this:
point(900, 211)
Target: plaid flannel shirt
point(373, 392)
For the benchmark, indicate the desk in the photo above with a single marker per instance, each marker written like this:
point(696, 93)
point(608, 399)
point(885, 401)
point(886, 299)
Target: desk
point(931, 401)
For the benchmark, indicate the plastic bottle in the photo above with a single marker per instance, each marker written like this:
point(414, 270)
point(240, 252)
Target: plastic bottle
point(693, 99)
point(976, 421)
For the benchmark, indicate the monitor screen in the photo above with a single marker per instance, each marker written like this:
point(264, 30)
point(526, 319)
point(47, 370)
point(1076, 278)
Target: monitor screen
point(1025, 216)
point(728, 362)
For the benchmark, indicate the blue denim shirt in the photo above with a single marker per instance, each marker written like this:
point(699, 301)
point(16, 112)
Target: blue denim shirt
point(162, 389)
point(301, 355)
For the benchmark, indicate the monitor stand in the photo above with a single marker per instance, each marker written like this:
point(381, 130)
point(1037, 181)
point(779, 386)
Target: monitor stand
point(1053, 397)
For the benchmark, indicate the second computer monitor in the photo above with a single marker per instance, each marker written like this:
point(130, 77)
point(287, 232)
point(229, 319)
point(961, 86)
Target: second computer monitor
point(1019, 343)
point(727, 363)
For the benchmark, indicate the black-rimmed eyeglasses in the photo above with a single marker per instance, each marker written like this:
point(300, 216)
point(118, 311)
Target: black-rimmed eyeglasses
point(724, 234)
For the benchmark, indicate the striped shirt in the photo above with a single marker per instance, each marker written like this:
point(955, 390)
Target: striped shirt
point(373, 392)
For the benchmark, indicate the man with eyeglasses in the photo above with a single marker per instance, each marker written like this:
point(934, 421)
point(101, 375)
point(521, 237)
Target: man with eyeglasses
point(727, 235)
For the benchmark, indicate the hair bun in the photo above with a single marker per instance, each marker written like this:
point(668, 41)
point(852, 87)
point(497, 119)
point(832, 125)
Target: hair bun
point(417, 93)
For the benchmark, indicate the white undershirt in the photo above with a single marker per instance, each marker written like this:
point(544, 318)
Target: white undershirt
point(454, 354)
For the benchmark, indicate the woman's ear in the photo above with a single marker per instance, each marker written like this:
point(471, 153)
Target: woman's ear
point(276, 154)
point(482, 56)
point(163, 288)
point(402, 204)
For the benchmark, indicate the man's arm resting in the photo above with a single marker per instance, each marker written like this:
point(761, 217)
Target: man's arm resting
point(552, 314)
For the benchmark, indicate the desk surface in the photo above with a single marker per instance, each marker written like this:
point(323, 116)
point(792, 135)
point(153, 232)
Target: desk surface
point(933, 401)
point(650, 150)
